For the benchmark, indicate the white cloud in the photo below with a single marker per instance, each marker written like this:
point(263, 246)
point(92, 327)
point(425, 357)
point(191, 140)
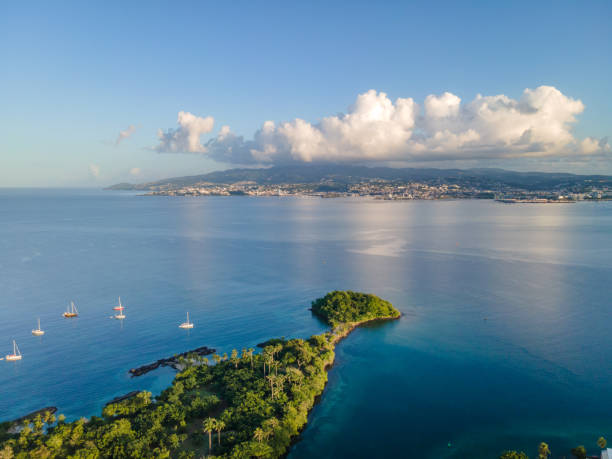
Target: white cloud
point(442, 106)
point(94, 170)
point(125, 134)
point(135, 171)
point(185, 138)
point(375, 128)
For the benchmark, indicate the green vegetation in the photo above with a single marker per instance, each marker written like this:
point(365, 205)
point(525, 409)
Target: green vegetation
point(255, 404)
point(543, 451)
point(345, 307)
point(579, 452)
point(513, 455)
point(602, 442)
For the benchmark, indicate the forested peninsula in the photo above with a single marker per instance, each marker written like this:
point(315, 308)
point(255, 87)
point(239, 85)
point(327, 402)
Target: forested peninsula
point(246, 405)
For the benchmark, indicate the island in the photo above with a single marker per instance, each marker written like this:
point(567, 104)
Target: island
point(246, 405)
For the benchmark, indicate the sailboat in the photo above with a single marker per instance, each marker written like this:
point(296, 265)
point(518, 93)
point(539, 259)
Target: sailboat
point(119, 307)
point(71, 311)
point(186, 324)
point(16, 355)
point(38, 331)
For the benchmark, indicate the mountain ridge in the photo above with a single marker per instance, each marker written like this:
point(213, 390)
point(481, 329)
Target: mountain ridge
point(341, 174)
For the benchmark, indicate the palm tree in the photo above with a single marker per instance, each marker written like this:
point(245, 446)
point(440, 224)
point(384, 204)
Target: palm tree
point(280, 382)
point(7, 452)
point(276, 349)
point(268, 359)
point(209, 425)
point(251, 350)
point(271, 379)
point(543, 451)
point(602, 443)
point(259, 434)
point(205, 361)
point(217, 358)
point(220, 426)
point(224, 356)
point(234, 358)
point(271, 425)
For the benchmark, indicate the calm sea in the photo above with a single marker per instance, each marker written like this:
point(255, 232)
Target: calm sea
point(505, 340)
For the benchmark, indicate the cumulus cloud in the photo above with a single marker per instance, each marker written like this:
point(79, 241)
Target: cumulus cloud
point(375, 128)
point(187, 137)
point(125, 134)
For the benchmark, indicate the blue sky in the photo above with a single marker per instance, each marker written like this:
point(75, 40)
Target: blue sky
point(74, 74)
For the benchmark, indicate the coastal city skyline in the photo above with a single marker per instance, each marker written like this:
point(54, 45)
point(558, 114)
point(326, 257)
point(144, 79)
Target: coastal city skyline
point(97, 95)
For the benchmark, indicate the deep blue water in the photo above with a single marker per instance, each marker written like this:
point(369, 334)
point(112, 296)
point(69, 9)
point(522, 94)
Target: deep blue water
point(505, 339)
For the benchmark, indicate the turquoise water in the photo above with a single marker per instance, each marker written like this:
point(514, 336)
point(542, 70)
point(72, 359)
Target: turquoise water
point(504, 340)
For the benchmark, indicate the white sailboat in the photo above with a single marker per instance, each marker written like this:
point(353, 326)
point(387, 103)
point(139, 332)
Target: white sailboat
point(16, 355)
point(38, 331)
point(186, 324)
point(120, 315)
point(71, 311)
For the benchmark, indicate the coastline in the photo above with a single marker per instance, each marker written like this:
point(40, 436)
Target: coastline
point(328, 366)
point(260, 415)
point(354, 325)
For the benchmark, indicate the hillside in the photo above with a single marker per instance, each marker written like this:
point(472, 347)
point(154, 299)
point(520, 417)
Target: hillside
point(342, 175)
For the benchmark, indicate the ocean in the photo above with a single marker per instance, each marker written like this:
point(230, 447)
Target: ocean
point(504, 340)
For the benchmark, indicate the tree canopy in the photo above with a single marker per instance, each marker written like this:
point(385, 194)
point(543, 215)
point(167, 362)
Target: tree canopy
point(346, 306)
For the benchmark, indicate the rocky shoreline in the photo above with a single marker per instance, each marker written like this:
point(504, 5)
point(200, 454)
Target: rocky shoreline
point(170, 361)
point(123, 397)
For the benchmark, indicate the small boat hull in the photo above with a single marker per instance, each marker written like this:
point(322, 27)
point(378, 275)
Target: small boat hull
point(186, 326)
point(70, 315)
point(13, 357)
point(38, 332)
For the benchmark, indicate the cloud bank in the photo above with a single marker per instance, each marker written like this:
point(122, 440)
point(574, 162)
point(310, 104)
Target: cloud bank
point(377, 129)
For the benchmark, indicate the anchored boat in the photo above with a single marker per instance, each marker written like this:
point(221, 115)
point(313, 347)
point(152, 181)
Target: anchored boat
point(71, 311)
point(38, 331)
point(16, 355)
point(186, 324)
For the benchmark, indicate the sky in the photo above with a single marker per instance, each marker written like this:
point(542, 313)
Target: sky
point(96, 93)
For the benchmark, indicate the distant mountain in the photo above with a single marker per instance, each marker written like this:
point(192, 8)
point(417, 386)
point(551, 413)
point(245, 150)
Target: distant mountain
point(343, 174)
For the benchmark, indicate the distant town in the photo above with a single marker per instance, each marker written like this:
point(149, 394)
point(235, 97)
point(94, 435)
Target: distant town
point(385, 191)
point(386, 184)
